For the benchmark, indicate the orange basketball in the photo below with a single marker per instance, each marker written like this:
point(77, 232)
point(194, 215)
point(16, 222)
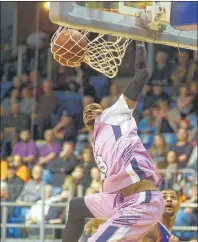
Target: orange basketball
point(69, 46)
point(64, 62)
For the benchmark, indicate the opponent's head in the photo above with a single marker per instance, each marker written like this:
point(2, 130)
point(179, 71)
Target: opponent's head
point(171, 202)
point(91, 112)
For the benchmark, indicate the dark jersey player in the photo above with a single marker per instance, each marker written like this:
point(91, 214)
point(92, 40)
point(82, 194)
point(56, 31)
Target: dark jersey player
point(131, 202)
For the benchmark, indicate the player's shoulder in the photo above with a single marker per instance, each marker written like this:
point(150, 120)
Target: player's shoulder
point(164, 233)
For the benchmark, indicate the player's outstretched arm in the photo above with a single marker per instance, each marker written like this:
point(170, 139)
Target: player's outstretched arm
point(136, 85)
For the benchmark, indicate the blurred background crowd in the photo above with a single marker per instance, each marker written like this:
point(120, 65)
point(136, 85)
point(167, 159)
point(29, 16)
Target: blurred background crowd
point(44, 140)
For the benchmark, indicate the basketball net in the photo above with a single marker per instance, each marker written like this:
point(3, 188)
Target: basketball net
point(104, 56)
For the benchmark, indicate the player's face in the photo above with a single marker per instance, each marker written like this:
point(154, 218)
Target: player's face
point(171, 202)
point(92, 111)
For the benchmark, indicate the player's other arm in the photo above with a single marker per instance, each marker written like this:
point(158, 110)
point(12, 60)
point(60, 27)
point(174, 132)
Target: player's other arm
point(136, 85)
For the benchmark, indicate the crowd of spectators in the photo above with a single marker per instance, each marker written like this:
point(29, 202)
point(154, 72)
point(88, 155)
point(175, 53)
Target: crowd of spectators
point(44, 141)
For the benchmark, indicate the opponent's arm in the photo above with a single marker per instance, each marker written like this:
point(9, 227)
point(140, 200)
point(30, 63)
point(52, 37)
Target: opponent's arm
point(136, 85)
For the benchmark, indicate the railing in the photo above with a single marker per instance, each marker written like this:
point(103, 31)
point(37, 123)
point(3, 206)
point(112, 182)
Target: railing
point(42, 226)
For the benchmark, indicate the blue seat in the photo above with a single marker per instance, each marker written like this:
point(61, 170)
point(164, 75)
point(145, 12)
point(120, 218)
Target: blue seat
point(101, 85)
point(70, 101)
point(147, 140)
point(170, 138)
point(5, 86)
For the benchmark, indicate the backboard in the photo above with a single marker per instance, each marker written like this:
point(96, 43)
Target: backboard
point(122, 19)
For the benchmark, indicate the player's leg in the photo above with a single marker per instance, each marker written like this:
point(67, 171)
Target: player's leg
point(98, 205)
point(77, 213)
point(133, 220)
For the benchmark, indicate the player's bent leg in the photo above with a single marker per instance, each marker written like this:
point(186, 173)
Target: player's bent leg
point(78, 211)
point(133, 219)
point(101, 205)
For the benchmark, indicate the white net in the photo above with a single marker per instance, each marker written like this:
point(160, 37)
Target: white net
point(71, 47)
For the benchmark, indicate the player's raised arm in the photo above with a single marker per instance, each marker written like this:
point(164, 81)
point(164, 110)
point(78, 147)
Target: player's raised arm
point(136, 85)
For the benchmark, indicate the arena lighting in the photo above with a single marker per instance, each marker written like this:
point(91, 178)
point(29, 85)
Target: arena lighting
point(46, 5)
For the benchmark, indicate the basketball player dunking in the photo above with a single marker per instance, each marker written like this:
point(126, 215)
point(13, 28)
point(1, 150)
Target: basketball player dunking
point(131, 202)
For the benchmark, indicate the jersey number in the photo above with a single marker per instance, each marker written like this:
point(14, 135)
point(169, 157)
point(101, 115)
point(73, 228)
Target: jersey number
point(102, 166)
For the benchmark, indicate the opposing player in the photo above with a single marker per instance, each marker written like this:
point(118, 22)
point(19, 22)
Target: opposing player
point(131, 203)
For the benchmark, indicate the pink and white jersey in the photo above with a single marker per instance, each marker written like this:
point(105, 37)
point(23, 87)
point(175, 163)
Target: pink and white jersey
point(118, 150)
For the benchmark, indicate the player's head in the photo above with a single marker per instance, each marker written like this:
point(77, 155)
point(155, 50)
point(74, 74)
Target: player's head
point(91, 112)
point(171, 203)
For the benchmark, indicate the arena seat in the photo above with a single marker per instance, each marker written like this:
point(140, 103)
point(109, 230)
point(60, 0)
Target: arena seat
point(147, 140)
point(170, 138)
point(71, 101)
point(100, 83)
point(5, 86)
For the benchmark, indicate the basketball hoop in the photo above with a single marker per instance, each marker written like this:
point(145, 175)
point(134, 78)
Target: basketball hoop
point(102, 55)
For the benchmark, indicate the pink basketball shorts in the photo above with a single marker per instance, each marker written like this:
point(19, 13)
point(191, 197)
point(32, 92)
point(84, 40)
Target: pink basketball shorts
point(128, 219)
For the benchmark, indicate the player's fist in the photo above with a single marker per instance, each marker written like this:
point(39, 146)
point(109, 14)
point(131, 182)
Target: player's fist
point(92, 226)
point(173, 239)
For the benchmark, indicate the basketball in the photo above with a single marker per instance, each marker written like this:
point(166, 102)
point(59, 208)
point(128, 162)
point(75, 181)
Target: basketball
point(64, 62)
point(69, 46)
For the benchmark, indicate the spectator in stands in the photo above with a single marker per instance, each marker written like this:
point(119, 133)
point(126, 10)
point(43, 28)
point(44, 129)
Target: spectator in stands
point(16, 122)
point(165, 120)
point(5, 198)
point(34, 215)
point(194, 93)
point(147, 124)
point(22, 170)
point(171, 160)
point(3, 119)
point(184, 101)
point(27, 103)
point(180, 71)
point(15, 183)
point(158, 93)
point(65, 130)
point(188, 216)
point(25, 80)
point(90, 191)
point(32, 189)
point(4, 191)
point(17, 83)
point(45, 106)
point(76, 178)
point(4, 170)
point(34, 85)
point(50, 150)
point(5, 146)
point(184, 124)
point(64, 164)
point(114, 93)
point(111, 98)
point(26, 148)
point(96, 183)
point(7, 102)
point(158, 151)
point(56, 215)
point(87, 160)
point(106, 102)
point(183, 147)
point(161, 72)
